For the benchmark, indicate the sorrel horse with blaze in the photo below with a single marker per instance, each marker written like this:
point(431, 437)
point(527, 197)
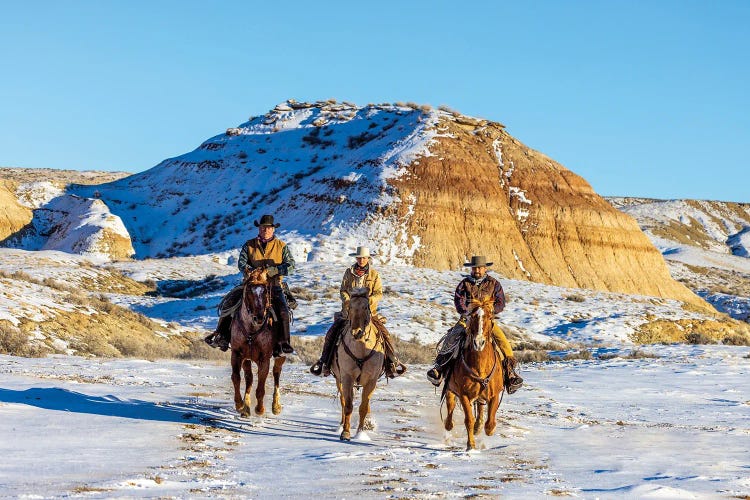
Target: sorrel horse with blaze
point(252, 342)
point(358, 361)
point(477, 377)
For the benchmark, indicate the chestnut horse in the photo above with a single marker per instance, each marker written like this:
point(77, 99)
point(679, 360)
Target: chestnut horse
point(253, 341)
point(358, 360)
point(477, 377)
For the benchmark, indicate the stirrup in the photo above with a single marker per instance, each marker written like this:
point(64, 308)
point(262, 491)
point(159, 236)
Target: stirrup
point(514, 383)
point(400, 369)
point(317, 368)
point(287, 348)
point(434, 376)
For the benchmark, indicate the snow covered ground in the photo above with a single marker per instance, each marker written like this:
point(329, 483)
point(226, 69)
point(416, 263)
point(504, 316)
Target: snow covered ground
point(677, 426)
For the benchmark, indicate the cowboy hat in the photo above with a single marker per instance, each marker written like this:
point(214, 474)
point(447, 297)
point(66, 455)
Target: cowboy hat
point(478, 261)
point(361, 252)
point(266, 220)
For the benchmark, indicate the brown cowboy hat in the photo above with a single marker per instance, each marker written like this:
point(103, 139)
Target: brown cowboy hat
point(478, 261)
point(266, 220)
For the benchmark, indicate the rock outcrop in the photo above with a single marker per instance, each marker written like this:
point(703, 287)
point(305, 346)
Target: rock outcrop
point(13, 215)
point(420, 186)
point(480, 191)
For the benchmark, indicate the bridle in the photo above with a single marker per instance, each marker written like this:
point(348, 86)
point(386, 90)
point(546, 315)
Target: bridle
point(477, 308)
point(252, 287)
point(361, 361)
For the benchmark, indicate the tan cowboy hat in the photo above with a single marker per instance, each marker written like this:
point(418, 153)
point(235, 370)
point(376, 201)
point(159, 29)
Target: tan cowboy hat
point(266, 220)
point(361, 252)
point(478, 261)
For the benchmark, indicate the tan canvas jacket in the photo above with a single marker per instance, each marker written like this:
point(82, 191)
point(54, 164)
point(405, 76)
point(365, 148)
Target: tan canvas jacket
point(369, 280)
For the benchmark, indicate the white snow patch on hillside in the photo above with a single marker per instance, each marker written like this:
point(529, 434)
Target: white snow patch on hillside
point(320, 181)
point(718, 222)
point(37, 194)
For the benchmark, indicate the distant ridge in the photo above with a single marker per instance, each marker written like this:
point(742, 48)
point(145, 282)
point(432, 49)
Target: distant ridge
point(420, 186)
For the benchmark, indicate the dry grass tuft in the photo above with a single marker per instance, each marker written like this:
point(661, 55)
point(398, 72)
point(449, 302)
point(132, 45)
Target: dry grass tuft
point(693, 331)
point(301, 293)
point(17, 343)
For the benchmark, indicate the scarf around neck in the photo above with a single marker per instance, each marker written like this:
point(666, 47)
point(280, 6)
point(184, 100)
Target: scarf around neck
point(360, 271)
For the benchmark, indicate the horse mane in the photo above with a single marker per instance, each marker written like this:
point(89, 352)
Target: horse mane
point(360, 292)
point(258, 276)
point(475, 303)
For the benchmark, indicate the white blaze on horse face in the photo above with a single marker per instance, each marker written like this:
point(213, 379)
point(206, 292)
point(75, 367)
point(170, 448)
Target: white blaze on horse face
point(479, 339)
point(258, 292)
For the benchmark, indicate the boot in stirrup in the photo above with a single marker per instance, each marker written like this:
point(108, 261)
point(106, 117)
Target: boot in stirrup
point(512, 381)
point(434, 376)
point(317, 368)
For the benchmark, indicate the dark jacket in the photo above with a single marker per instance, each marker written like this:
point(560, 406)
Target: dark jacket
point(479, 289)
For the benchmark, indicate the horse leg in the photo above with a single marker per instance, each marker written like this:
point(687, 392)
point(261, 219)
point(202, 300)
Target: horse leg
point(479, 417)
point(450, 403)
point(347, 400)
point(236, 363)
point(247, 365)
point(468, 422)
point(277, 364)
point(365, 424)
point(264, 365)
point(492, 405)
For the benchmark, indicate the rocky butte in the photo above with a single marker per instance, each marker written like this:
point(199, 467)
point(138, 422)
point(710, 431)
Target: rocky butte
point(426, 187)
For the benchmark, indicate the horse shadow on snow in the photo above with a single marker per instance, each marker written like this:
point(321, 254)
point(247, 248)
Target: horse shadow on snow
point(58, 399)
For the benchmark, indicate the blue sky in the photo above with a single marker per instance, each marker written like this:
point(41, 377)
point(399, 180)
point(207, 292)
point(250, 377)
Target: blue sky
point(641, 98)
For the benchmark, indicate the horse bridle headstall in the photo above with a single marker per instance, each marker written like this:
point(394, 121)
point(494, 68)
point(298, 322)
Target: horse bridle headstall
point(266, 316)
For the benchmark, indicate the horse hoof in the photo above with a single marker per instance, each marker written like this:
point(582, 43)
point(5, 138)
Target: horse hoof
point(260, 411)
point(276, 409)
point(489, 430)
point(449, 426)
point(470, 447)
point(345, 436)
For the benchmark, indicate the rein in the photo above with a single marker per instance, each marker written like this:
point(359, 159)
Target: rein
point(475, 375)
point(247, 332)
point(360, 361)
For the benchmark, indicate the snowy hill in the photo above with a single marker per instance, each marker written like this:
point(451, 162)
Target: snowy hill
point(601, 387)
point(705, 244)
point(421, 186)
point(324, 168)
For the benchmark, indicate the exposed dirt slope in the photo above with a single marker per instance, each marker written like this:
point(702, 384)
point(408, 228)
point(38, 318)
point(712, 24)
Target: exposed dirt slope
point(483, 192)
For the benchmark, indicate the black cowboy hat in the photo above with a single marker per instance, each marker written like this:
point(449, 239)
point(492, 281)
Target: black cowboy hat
point(478, 261)
point(266, 220)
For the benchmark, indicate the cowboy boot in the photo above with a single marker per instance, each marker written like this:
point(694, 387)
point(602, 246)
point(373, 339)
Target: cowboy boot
point(286, 346)
point(283, 337)
point(322, 365)
point(512, 381)
point(391, 365)
point(435, 374)
point(222, 335)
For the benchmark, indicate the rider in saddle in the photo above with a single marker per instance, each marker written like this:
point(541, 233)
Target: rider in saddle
point(479, 285)
point(267, 251)
point(360, 275)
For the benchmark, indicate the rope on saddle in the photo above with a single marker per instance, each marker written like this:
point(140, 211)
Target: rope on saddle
point(230, 303)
